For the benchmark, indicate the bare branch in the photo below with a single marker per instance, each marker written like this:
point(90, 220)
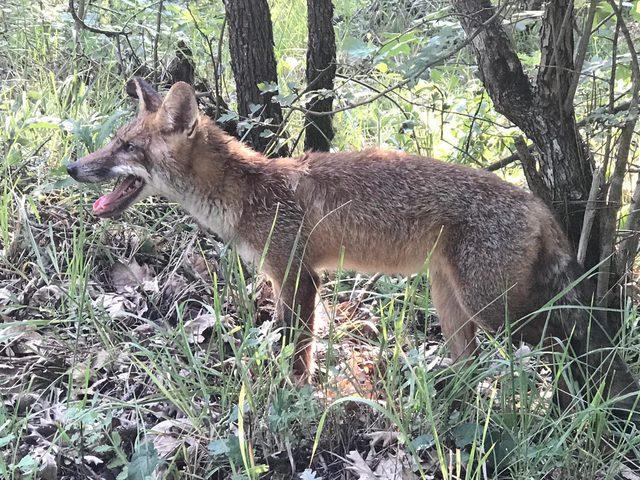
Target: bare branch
point(156, 40)
point(80, 23)
point(581, 52)
point(589, 215)
point(629, 247)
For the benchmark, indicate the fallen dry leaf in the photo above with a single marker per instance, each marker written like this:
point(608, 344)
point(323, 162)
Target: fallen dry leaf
point(121, 306)
point(195, 327)
point(628, 474)
point(168, 435)
point(47, 295)
point(48, 469)
point(131, 275)
point(383, 438)
point(22, 337)
point(395, 467)
point(359, 466)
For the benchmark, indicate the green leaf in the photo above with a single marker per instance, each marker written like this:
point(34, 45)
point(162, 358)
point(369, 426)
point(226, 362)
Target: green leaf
point(219, 447)
point(407, 126)
point(285, 100)
point(266, 134)
point(6, 440)
point(397, 46)
point(309, 474)
point(143, 462)
point(57, 185)
point(266, 87)
point(228, 117)
point(423, 441)
point(356, 48)
point(27, 464)
point(465, 433)
point(46, 122)
point(255, 108)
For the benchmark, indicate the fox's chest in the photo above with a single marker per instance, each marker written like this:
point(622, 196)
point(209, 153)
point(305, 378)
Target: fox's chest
point(217, 217)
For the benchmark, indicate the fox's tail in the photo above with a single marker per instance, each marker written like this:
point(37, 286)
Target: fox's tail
point(597, 363)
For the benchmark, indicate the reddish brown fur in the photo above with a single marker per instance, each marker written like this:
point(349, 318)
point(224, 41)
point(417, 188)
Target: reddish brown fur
point(493, 250)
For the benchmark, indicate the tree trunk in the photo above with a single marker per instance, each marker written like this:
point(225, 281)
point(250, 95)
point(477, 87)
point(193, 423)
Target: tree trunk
point(542, 111)
point(253, 62)
point(321, 70)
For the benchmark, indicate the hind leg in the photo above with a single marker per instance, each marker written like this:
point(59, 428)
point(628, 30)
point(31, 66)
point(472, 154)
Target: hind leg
point(295, 307)
point(457, 326)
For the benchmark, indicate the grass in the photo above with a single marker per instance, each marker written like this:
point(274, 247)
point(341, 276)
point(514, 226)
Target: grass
point(143, 345)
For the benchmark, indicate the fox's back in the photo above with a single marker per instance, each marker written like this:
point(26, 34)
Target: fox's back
point(405, 186)
point(366, 201)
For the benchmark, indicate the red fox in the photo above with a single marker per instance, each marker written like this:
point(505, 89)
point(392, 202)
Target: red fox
point(495, 251)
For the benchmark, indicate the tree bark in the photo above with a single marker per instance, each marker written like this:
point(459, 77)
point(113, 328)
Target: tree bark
point(562, 161)
point(321, 71)
point(253, 62)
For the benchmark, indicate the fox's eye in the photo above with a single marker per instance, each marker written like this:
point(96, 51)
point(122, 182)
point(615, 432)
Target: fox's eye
point(129, 147)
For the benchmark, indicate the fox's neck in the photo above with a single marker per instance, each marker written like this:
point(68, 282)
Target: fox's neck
point(220, 171)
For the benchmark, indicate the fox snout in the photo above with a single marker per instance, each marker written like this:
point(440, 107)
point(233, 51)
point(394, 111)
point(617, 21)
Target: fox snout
point(94, 168)
point(104, 165)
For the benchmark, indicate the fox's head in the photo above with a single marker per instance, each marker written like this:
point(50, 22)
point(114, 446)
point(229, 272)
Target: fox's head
point(150, 154)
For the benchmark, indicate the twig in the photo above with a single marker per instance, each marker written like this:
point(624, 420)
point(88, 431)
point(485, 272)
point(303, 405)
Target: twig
point(365, 290)
point(218, 73)
point(504, 162)
point(80, 22)
point(628, 248)
point(214, 62)
point(589, 214)
point(581, 53)
point(473, 122)
point(156, 40)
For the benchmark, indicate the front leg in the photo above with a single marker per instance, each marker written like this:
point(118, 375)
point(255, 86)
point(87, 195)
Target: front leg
point(295, 308)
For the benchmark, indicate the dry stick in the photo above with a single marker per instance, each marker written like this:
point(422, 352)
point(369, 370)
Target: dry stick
point(80, 22)
point(156, 40)
point(581, 52)
point(617, 178)
point(473, 123)
point(629, 247)
point(214, 62)
point(218, 73)
point(365, 291)
point(589, 214)
point(506, 161)
point(612, 95)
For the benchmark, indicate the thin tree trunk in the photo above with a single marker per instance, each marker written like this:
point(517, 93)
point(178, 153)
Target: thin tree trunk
point(321, 71)
point(253, 62)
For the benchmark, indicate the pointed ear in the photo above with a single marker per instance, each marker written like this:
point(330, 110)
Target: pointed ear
point(179, 110)
point(149, 100)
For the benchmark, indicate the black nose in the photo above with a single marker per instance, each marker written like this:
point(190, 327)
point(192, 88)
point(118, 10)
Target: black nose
point(72, 169)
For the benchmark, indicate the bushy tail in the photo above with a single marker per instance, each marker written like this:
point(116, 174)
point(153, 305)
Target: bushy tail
point(597, 363)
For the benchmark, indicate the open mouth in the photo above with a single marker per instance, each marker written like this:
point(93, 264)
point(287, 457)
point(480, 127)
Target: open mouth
point(123, 196)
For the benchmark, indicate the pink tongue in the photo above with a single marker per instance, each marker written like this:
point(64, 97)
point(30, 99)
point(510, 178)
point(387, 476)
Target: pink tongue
point(100, 204)
point(105, 202)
